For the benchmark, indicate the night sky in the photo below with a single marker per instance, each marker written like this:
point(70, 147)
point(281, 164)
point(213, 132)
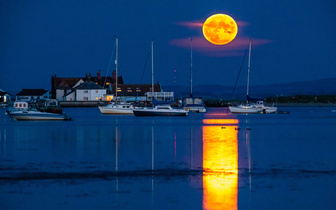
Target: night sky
point(291, 41)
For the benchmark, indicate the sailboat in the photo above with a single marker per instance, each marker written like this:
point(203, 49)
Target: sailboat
point(254, 108)
point(193, 104)
point(117, 108)
point(158, 109)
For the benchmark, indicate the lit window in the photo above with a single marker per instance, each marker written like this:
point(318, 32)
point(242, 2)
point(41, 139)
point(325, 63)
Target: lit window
point(96, 98)
point(129, 90)
point(107, 83)
point(138, 89)
point(119, 89)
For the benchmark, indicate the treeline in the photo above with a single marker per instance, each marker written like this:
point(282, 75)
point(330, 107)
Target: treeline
point(279, 99)
point(303, 99)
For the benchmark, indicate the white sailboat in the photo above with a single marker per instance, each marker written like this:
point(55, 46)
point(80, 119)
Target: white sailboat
point(117, 108)
point(254, 108)
point(193, 104)
point(158, 109)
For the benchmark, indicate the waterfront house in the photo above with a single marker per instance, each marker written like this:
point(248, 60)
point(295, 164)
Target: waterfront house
point(5, 97)
point(86, 91)
point(61, 87)
point(71, 89)
point(31, 94)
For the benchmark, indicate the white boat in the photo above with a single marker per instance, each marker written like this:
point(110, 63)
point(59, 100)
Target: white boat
point(21, 111)
point(159, 110)
point(117, 108)
point(254, 108)
point(257, 108)
point(193, 104)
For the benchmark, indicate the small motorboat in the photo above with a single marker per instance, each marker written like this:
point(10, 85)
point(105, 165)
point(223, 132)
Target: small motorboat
point(159, 110)
point(23, 112)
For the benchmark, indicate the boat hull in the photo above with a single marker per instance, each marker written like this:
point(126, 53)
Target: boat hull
point(144, 113)
point(195, 109)
point(243, 110)
point(36, 116)
point(269, 110)
point(115, 111)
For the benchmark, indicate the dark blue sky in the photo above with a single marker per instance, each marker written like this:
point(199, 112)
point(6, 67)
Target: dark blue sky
point(291, 41)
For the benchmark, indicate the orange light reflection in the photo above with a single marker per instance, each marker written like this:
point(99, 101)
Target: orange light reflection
point(220, 163)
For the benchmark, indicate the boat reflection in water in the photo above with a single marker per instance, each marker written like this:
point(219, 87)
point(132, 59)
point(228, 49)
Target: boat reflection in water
point(220, 163)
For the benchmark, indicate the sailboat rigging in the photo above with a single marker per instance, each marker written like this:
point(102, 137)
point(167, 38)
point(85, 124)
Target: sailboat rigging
point(194, 104)
point(157, 109)
point(247, 108)
point(117, 107)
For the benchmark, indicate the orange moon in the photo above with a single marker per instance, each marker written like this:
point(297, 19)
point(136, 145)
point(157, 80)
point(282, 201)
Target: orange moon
point(220, 29)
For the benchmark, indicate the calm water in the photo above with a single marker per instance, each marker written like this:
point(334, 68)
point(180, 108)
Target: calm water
point(214, 160)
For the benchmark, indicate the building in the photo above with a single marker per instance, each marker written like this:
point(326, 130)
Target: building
point(71, 89)
point(5, 97)
point(86, 91)
point(61, 87)
point(33, 94)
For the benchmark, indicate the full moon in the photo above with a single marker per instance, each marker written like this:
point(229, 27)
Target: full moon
point(220, 29)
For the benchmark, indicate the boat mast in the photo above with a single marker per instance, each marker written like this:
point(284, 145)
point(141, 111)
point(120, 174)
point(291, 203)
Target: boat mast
point(248, 73)
point(191, 67)
point(116, 62)
point(152, 74)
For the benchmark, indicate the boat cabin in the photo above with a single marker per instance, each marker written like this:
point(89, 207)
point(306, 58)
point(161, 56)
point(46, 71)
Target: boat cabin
point(20, 105)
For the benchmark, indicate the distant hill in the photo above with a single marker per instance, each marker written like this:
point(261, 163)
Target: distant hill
point(315, 87)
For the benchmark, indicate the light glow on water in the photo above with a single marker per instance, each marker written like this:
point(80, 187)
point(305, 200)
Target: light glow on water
point(220, 163)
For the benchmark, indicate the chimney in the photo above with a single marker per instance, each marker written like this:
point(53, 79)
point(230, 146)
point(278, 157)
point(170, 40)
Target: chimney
point(88, 77)
point(98, 75)
point(114, 74)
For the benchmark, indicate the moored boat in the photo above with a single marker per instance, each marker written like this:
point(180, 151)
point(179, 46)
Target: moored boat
point(117, 108)
point(257, 108)
point(193, 104)
point(159, 110)
point(22, 112)
point(254, 108)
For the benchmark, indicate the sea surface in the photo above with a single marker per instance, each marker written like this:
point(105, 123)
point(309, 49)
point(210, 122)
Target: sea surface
point(213, 160)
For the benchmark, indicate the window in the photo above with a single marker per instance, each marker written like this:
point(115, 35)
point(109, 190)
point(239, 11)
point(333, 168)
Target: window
point(129, 90)
point(85, 91)
point(96, 91)
point(96, 98)
point(85, 98)
point(119, 89)
point(138, 89)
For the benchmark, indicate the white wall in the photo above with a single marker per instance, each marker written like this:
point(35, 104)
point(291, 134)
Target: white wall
point(90, 95)
point(96, 95)
point(71, 97)
point(59, 94)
